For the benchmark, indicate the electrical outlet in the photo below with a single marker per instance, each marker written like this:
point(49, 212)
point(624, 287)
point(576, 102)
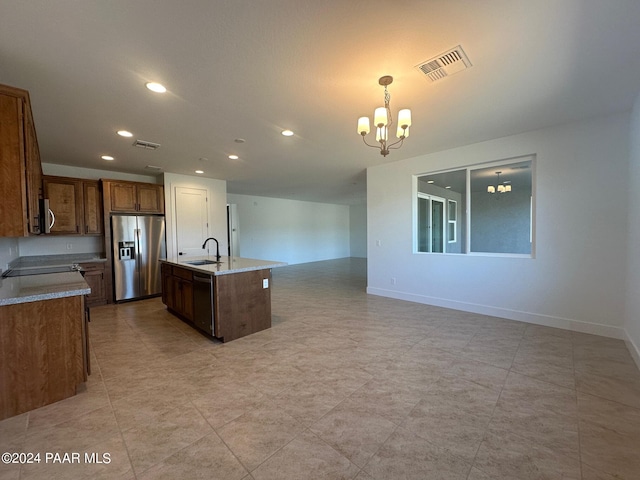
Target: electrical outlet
point(378, 243)
point(393, 280)
point(265, 283)
point(69, 246)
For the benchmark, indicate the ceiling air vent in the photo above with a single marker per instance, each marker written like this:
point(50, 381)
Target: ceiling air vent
point(445, 64)
point(146, 145)
point(153, 167)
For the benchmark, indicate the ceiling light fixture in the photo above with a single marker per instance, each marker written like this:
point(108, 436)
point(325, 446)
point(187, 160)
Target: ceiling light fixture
point(383, 121)
point(233, 157)
point(503, 187)
point(124, 133)
point(199, 171)
point(287, 133)
point(106, 157)
point(156, 87)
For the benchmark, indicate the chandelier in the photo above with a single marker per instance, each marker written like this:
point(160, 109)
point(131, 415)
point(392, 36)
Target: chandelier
point(503, 187)
point(383, 121)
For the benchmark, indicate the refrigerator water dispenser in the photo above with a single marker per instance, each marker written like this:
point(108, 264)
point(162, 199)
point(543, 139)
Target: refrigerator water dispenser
point(126, 250)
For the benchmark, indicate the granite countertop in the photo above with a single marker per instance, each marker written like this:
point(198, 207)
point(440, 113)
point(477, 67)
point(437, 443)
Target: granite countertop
point(226, 266)
point(35, 288)
point(55, 260)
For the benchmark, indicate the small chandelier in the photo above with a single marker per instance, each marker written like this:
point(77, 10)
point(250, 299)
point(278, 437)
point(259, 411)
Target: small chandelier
point(503, 187)
point(383, 121)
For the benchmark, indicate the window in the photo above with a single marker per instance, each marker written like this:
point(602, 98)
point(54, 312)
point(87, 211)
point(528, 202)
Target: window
point(483, 209)
point(431, 220)
point(452, 220)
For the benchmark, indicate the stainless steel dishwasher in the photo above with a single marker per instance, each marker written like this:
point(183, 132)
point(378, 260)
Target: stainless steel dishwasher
point(203, 298)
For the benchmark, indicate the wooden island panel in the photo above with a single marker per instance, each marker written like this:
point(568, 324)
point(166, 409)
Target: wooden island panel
point(242, 303)
point(42, 353)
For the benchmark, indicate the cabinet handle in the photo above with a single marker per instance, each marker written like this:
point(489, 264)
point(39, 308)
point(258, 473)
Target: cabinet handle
point(86, 229)
point(77, 228)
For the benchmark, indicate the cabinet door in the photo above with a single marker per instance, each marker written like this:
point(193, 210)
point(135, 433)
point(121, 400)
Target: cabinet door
point(92, 203)
point(150, 198)
point(65, 201)
point(12, 177)
point(123, 197)
point(34, 175)
point(95, 280)
point(187, 299)
point(168, 295)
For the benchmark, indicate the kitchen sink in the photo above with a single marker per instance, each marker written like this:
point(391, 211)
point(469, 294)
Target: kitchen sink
point(202, 262)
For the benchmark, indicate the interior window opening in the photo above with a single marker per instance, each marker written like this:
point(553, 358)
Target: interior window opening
point(483, 209)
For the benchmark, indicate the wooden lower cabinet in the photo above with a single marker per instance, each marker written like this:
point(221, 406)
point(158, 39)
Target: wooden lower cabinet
point(43, 353)
point(94, 276)
point(242, 304)
point(177, 290)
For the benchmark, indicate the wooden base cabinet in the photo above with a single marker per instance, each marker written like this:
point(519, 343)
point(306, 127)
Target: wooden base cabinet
point(43, 353)
point(94, 276)
point(177, 290)
point(241, 303)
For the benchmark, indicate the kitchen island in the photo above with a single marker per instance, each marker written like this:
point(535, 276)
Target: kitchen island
point(226, 299)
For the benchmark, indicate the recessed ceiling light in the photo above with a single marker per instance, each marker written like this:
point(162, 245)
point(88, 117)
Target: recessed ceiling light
point(156, 87)
point(124, 133)
point(239, 140)
point(429, 181)
point(106, 157)
point(233, 157)
point(199, 171)
point(287, 133)
point(448, 186)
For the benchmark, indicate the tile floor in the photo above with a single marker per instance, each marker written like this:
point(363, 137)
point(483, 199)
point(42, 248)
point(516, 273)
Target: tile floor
point(344, 386)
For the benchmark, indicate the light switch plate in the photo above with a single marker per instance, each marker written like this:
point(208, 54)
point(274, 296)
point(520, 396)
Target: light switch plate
point(265, 283)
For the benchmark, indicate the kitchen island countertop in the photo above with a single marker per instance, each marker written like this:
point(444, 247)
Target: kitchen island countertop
point(226, 266)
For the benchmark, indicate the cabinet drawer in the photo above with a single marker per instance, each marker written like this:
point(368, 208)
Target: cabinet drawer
point(183, 273)
point(92, 266)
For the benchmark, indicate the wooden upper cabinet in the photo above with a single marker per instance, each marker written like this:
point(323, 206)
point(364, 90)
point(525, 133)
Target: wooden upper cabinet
point(92, 203)
point(150, 198)
point(136, 197)
point(65, 201)
point(76, 204)
point(123, 197)
point(20, 167)
point(34, 175)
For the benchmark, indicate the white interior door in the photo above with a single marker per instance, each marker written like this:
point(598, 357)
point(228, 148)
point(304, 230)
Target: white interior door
point(192, 227)
point(233, 228)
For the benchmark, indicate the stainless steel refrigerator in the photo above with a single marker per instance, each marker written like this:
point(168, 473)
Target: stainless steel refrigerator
point(138, 243)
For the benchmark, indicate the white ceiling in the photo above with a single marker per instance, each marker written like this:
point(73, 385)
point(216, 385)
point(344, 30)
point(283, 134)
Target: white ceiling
point(250, 68)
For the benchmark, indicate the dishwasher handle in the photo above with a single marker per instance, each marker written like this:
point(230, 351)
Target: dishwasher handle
point(202, 278)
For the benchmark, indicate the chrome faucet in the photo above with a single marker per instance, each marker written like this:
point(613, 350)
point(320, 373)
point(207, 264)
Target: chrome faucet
point(204, 245)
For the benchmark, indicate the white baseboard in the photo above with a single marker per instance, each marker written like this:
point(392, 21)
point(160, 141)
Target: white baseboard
point(520, 316)
point(633, 348)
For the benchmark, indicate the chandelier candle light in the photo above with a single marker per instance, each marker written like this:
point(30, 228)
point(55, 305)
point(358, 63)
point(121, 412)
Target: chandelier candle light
point(383, 121)
point(503, 187)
